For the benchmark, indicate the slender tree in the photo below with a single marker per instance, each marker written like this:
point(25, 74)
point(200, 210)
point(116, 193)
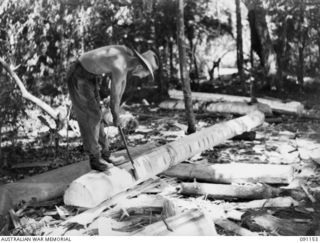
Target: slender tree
point(239, 42)
point(183, 70)
point(302, 43)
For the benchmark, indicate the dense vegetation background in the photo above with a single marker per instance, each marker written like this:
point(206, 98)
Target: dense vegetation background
point(39, 38)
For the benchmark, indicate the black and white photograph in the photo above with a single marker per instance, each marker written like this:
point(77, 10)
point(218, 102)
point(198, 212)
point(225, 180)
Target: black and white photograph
point(159, 118)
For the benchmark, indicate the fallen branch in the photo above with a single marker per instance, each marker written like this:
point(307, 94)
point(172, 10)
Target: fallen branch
point(292, 107)
point(219, 191)
point(54, 114)
point(162, 158)
point(233, 172)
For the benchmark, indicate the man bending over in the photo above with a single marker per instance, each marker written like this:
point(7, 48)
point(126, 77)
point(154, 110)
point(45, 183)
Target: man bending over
point(84, 93)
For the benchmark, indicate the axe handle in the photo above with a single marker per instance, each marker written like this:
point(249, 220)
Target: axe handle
point(128, 152)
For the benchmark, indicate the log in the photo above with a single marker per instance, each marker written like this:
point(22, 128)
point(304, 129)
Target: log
point(41, 187)
point(233, 227)
point(263, 221)
point(239, 108)
point(158, 160)
point(233, 172)
point(220, 191)
point(279, 106)
point(53, 183)
point(278, 202)
point(191, 223)
point(105, 184)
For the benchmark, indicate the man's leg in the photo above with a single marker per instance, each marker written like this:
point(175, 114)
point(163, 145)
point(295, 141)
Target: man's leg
point(87, 109)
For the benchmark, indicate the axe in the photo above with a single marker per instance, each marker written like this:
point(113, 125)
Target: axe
point(128, 152)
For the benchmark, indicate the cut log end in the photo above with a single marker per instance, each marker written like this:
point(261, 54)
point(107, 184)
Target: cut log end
point(93, 188)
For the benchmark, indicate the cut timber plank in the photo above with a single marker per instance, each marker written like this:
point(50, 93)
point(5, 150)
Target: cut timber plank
point(158, 160)
point(292, 107)
point(240, 108)
point(220, 191)
point(233, 172)
point(53, 183)
point(190, 223)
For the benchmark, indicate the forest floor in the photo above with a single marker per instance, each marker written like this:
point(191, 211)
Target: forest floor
point(282, 140)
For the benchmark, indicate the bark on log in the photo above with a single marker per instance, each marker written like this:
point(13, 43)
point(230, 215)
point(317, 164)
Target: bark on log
point(234, 228)
point(219, 191)
point(240, 108)
point(164, 157)
point(192, 223)
point(292, 107)
point(233, 172)
point(52, 184)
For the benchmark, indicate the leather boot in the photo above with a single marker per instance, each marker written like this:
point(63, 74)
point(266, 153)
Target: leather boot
point(106, 155)
point(99, 164)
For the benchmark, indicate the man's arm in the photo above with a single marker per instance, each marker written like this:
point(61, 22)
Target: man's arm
point(117, 83)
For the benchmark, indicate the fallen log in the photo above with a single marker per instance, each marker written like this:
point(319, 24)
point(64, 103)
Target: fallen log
point(263, 221)
point(192, 223)
point(279, 106)
point(220, 191)
point(234, 228)
point(41, 187)
point(162, 158)
point(240, 108)
point(278, 202)
point(53, 183)
point(233, 172)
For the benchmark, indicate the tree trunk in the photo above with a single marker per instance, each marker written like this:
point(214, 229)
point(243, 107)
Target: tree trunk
point(185, 81)
point(239, 43)
point(260, 38)
point(171, 59)
point(301, 44)
point(84, 191)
